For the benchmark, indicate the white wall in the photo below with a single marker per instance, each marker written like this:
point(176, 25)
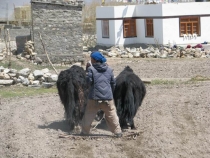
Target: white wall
point(192, 8)
point(115, 11)
point(158, 31)
point(149, 10)
point(141, 32)
point(115, 26)
point(171, 32)
point(171, 26)
point(124, 11)
point(105, 41)
point(205, 29)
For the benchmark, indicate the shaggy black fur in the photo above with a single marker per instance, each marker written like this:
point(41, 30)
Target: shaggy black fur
point(128, 96)
point(72, 90)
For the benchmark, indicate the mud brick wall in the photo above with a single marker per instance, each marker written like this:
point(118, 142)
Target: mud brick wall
point(19, 32)
point(14, 32)
point(60, 25)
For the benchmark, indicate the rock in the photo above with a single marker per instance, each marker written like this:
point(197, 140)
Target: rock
point(152, 55)
point(38, 60)
point(31, 77)
point(164, 54)
point(6, 82)
point(85, 48)
point(132, 50)
point(53, 78)
point(12, 74)
point(47, 75)
point(42, 79)
point(112, 54)
point(197, 54)
point(143, 54)
point(130, 55)
point(33, 54)
point(151, 49)
point(1, 58)
point(13, 71)
point(6, 76)
point(24, 72)
point(25, 82)
point(36, 86)
point(124, 56)
point(36, 83)
point(6, 70)
point(1, 68)
point(136, 54)
point(78, 64)
point(198, 49)
point(47, 85)
point(46, 70)
point(38, 73)
point(18, 56)
point(27, 56)
point(127, 49)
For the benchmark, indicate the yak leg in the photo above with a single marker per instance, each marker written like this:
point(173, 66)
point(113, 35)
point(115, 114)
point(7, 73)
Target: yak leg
point(132, 125)
point(123, 124)
point(99, 115)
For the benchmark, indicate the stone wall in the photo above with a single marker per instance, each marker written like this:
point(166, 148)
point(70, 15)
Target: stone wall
point(60, 25)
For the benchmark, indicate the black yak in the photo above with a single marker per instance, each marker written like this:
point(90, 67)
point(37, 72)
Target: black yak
point(72, 90)
point(128, 96)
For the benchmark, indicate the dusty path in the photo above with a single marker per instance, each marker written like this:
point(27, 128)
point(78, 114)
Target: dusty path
point(173, 121)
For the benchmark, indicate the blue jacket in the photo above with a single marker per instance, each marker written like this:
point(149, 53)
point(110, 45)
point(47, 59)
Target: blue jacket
point(101, 82)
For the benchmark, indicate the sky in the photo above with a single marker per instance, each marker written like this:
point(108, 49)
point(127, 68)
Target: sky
point(11, 3)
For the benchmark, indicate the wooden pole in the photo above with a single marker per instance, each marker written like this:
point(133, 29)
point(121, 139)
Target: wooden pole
point(5, 40)
point(47, 53)
point(10, 63)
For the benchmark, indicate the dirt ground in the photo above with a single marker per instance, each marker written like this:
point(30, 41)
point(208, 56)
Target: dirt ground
point(173, 121)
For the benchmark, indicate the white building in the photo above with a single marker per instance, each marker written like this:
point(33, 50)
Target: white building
point(180, 23)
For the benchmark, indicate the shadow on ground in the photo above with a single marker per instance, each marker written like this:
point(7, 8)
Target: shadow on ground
point(64, 126)
point(102, 125)
point(57, 125)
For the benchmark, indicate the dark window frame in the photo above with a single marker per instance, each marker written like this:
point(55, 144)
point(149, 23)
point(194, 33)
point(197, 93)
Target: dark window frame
point(103, 26)
point(189, 25)
point(129, 28)
point(149, 27)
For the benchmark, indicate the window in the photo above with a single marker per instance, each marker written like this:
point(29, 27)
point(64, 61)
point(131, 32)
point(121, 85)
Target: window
point(189, 25)
point(129, 28)
point(23, 14)
point(105, 28)
point(149, 28)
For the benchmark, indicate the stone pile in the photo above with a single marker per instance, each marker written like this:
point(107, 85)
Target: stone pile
point(155, 52)
point(27, 77)
point(89, 41)
point(29, 49)
point(29, 53)
point(3, 53)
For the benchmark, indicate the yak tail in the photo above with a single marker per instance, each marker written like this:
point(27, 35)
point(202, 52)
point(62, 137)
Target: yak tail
point(130, 109)
point(70, 104)
point(66, 93)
